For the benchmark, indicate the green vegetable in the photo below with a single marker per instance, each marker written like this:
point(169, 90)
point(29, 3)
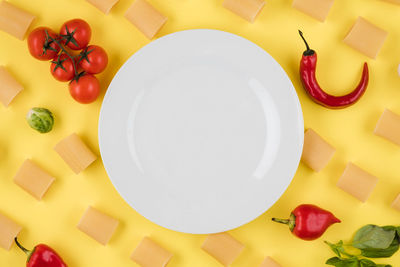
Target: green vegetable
point(40, 119)
point(381, 253)
point(372, 241)
point(369, 263)
point(340, 262)
point(372, 236)
point(384, 251)
point(353, 262)
point(337, 248)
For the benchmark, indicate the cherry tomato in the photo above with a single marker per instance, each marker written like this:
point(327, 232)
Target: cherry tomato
point(40, 46)
point(76, 34)
point(62, 69)
point(93, 59)
point(86, 89)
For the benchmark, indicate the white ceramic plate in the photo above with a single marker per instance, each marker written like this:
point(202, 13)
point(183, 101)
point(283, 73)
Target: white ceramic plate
point(201, 131)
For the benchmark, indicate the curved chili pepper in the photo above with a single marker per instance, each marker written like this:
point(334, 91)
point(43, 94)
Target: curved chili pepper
point(42, 256)
point(308, 67)
point(309, 222)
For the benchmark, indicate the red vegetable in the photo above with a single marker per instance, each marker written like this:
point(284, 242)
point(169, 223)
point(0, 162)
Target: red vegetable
point(40, 46)
point(42, 256)
point(309, 222)
point(62, 68)
point(85, 88)
point(93, 59)
point(76, 34)
point(308, 67)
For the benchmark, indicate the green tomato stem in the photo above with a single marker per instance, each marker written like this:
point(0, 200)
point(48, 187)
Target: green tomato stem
point(65, 51)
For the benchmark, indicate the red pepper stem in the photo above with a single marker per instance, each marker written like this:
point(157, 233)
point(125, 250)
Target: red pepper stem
point(291, 222)
point(309, 51)
point(283, 221)
point(27, 252)
point(302, 37)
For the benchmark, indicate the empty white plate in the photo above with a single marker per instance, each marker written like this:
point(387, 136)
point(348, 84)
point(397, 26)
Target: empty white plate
point(201, 131)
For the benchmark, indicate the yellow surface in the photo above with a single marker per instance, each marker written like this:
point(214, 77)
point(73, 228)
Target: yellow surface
point(350, 131)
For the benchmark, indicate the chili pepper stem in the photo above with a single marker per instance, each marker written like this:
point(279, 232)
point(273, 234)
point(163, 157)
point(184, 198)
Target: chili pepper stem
point(27, 252)
point(302, 37)
point(283, 221)
point(309, 51)
point(291, 222)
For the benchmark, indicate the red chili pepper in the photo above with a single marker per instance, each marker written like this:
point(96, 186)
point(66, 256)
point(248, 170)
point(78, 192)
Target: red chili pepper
point(309, 222)
point(42, 256)
point(308, 67)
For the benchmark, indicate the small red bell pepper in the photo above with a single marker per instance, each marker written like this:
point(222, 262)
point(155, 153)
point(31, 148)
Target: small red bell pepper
point(309, 222)
point(42, 256)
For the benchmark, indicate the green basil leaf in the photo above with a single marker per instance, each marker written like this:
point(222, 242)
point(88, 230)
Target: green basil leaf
point(381, 253)
point(336, 248)
point(367, 263)
point(391, 228)
point(373, 236)
point(398, 231)
point(338, 262)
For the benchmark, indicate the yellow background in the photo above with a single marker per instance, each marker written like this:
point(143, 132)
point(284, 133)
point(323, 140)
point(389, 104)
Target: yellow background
point(53, 220)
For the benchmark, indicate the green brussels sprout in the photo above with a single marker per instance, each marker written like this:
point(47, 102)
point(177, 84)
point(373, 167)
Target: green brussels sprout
point(40, 119)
